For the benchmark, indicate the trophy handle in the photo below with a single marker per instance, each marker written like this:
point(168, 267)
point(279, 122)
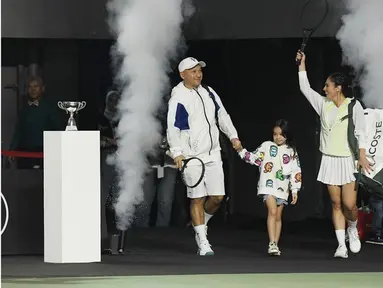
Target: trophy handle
point(61, 106)
point(81, 105)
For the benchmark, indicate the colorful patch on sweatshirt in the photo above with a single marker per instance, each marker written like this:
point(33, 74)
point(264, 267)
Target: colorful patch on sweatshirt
point(279, 175)
point(269, 183)
point(298, 177)
point(286, 159)
point(268, 167)
point(273, 151)
point(247, 156)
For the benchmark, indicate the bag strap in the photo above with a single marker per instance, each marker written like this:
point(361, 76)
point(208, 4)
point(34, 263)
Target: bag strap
point(357, 183)
point(352, 140)
point(212, 96)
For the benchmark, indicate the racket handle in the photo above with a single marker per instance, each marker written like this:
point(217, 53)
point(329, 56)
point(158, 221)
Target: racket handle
point(298, 62)
point(303, 46)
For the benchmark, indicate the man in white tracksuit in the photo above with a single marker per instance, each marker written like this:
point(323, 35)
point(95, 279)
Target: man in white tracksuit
point(192, 131)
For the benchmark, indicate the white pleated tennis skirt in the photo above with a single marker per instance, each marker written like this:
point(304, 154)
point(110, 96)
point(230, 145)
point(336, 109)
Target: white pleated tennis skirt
point(336, 170)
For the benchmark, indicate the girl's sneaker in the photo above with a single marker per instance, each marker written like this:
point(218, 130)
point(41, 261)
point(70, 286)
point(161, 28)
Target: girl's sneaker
point(273, 249)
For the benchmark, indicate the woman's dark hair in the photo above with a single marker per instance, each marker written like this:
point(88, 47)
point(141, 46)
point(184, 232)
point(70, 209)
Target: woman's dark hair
point(287, 133)
point(340, 79)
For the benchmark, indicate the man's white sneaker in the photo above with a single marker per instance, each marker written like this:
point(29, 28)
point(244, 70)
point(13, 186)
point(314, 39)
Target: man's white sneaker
point(354, 241)
point(205, 249)
point(197, 238)
point(341, 252)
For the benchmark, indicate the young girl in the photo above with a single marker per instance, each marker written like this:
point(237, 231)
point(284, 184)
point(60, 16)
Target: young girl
point(280, 172)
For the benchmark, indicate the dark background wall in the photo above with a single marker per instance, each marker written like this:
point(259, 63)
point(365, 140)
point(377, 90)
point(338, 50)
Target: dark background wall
point(249, 47)
point(256, 78)
point(214, 19)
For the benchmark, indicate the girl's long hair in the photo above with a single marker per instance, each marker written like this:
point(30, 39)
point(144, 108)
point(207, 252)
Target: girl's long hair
point(287, 133)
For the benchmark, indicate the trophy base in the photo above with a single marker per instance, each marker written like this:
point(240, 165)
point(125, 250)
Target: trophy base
point(71, 128)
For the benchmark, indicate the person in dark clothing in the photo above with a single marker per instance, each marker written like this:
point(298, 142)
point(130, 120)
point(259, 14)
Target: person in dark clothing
point(159, 183)
point(108, 123)
point(376, 205)
point(37, 115)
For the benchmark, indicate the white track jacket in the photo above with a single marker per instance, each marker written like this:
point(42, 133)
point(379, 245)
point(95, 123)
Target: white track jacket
point(191, 123)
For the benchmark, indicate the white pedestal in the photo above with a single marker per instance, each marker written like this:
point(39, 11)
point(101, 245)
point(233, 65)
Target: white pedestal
point(72, 197)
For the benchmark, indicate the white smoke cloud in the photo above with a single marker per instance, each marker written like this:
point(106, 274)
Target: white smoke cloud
point(148, 37)
point(362, 44)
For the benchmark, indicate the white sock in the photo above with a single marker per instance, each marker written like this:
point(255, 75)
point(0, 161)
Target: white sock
point(207, 217)
point(352, 224)
point(341, 236)
point(200, 231)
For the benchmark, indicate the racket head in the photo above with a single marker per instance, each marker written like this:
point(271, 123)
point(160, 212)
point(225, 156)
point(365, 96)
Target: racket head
point(192, 172)
point(313, 14)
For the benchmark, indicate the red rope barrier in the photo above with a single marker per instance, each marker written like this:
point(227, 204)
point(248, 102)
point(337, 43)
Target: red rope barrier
point(22, 154)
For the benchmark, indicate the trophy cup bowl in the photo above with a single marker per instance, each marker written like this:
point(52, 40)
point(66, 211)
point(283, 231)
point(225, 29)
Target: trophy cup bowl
point(71, 107)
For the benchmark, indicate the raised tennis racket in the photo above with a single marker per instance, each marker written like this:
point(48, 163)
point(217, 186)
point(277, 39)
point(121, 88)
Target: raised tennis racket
point(313, 14)
point(192, 172)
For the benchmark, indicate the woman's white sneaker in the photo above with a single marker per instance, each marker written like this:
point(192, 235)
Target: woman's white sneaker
point(354, 241)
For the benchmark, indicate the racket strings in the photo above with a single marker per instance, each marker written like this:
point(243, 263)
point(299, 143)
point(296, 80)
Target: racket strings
point(192, 172)
point(313, 14)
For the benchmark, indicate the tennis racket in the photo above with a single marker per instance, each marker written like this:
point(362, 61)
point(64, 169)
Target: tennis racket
point(192, 172)
point(313, 14)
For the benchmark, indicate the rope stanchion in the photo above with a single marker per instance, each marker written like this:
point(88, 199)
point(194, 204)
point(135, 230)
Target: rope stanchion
point(16, 154)
point(6, 214)
point(22, 154)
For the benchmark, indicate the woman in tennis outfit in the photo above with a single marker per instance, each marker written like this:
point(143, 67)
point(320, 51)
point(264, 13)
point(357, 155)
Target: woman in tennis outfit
point(338, 164)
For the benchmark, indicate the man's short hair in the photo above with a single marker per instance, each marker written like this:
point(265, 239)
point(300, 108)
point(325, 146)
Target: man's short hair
point(35, 78)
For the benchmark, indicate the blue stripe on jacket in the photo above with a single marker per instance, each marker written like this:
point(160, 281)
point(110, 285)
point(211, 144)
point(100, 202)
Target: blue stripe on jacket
point(212, 96)
point(182, 118)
